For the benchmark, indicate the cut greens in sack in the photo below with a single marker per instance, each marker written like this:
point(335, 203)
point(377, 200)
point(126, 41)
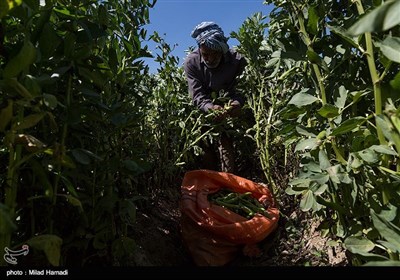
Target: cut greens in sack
point(222, 212)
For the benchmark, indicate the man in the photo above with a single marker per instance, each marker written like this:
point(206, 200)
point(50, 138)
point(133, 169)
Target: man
point(214, 67)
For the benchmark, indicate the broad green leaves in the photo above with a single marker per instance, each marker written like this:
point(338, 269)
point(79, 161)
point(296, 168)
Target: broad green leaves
point(389, 231)
point(25, 57)
point(390, 47)
point(50, 244)
point(379, 19)
point(346, 136)
point(72, 76)
point(365, 247)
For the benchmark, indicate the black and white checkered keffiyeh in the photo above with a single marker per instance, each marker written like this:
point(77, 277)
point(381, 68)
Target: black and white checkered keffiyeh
point(211, 35)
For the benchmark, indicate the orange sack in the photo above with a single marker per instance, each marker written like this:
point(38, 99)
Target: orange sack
point(213, 233)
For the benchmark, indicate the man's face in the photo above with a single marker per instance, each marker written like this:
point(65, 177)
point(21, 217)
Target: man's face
point(212, 58)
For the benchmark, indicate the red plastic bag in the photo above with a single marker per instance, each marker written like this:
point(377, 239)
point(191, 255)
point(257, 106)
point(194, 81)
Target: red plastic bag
point(213, 234)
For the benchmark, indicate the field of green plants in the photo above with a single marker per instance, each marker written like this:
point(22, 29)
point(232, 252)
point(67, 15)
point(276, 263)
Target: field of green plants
point(88, 134)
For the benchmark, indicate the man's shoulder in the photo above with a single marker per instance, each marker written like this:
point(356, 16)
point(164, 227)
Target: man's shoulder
point(192, 61)
point(235, 54)
point(236, 58)
point(193, 57)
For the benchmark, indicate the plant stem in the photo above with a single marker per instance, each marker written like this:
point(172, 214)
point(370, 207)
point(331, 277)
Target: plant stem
point(374, 74)
point(320, 80)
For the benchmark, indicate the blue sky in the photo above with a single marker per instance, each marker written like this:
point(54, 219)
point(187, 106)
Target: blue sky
point(174, 20)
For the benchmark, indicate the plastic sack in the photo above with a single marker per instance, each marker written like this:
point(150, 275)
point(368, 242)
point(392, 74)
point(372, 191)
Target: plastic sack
point(214, 234)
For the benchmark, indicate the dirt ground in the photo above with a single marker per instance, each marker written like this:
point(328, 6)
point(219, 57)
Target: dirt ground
point(296, 241)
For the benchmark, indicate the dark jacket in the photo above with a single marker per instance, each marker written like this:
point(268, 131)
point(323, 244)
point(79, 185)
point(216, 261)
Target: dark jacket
point(202, 81)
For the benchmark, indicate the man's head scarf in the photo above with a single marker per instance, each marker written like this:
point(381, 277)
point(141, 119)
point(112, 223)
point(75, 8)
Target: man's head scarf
point(211, 35)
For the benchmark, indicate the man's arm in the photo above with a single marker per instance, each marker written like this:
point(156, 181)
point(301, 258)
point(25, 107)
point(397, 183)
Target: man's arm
point(235, 96)
point(198, 94)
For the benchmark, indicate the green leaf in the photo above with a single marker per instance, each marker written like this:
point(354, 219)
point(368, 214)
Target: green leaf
point(320, 178)
point(300, 181)
point(98, 78)
point(307, 144)
point(339, 230)
point(6, 115)
point(302, 99)
point(113, 60)
point(321, 189)
point(31, 84)
point(48, 41)
point(312, 167)
point(387, 230)
point(314, 58)
point(69, 185)
point(323, 160)
point(395, 83)
point(304, 131)
point(29, 121)
point(19, 88)
point(8, 5)
point(50, 244)
point(331, 205)
point(25, 57)
point(73, 201)
point(7, 226)
point(123, 247)
point(103, 15)
point(133, 167)
point(355, 163)
point(358, 94)
point(40, 173)
point(329, 111)
point(63, 11)
point(127, 211)
point(307, 201)
point(272, 62)
point(386, 127)
point(341, 32)
point(390, 47)
point(312, 23)
point(368, 155)
point(337, 175)
point(383, 149)
point(65, 160)
point(386, 263)
point(80, 156)
point(357, 244)
point(379, 19)
point(340, 100)
point(4, 8)
point(348, 125)
point(389, 214)
point(293, 191)
point(101, 239)
point(387, 245)
point(50, 100)
point(334, 172)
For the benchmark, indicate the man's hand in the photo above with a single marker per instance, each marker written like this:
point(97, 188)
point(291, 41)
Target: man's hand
point(235, 109)
point(220, 114)
point(217, 107)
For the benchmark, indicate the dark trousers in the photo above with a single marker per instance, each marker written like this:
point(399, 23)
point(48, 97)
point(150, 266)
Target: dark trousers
point(220, 158)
